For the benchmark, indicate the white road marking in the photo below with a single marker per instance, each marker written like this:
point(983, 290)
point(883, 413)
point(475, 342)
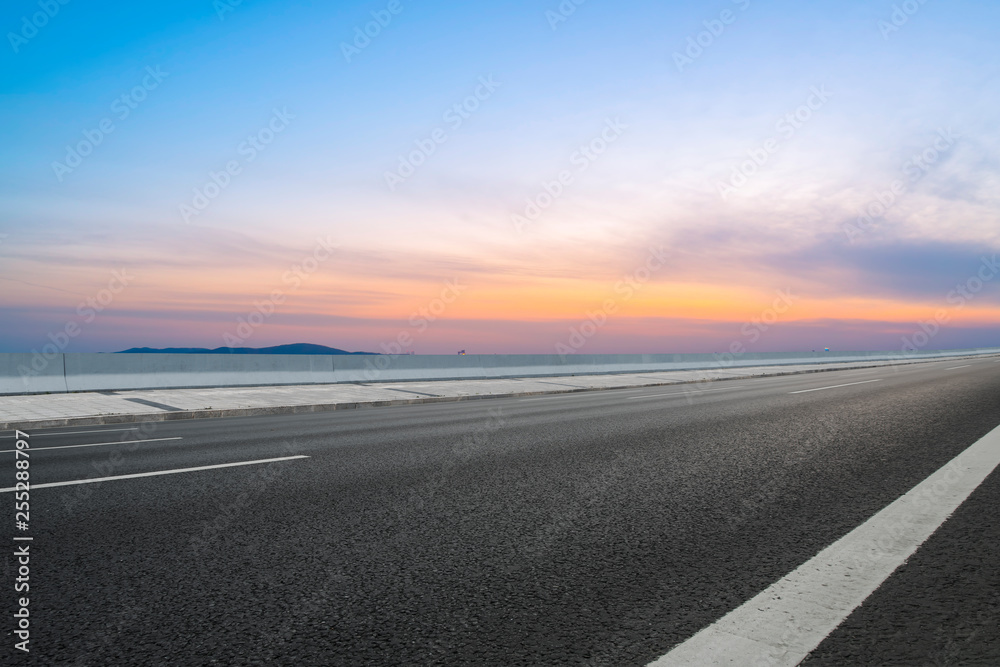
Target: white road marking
point(803, 391)
point(109, 430)
point(544, 398)
point(783, 624)
point(93, 444)
point(676, 393)
point(957, 367)
point(158, 472)
point(564, 394)
point(681, 393)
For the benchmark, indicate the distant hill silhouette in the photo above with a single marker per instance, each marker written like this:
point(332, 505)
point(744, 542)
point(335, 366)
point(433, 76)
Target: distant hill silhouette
point(294, 348)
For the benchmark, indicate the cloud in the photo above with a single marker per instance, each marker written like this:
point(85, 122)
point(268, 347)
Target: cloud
point(909, 270)
point(913, 270)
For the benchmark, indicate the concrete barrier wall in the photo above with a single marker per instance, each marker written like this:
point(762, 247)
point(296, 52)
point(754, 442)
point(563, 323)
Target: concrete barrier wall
point(95, 372)
point(34, 374)
point(31, 374)
point(394, 368)
point(389, 368)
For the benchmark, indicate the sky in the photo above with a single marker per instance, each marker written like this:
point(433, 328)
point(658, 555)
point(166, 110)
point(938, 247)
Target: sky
point(517, 177)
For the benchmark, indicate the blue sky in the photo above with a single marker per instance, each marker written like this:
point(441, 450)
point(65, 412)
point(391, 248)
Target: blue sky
point(889, 89)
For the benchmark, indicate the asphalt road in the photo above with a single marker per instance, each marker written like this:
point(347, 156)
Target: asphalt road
point(600, 528)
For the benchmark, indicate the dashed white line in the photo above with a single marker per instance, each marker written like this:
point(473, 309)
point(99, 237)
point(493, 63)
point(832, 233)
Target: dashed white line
point(107, 430)
point(93, 444)
point(545, 398)
point(158, 472)
point(803, 391)
point(564, 394)
point(957, 367)
point(680, 393)
point(783, 624)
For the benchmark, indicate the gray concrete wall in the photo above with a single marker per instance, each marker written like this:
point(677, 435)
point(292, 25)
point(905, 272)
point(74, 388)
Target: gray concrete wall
point(59, 373)
point(31, 374)
point(90, 372)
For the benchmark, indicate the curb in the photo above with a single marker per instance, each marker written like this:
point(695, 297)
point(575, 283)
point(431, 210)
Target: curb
point(132, 418)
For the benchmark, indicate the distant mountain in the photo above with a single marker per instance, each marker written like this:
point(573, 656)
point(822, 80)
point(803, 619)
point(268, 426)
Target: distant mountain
point(295, 348)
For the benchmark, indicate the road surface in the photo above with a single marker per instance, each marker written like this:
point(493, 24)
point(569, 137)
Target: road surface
point(602, 528)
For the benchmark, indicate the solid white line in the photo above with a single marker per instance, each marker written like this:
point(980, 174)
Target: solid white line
point(109, 430)
point(803, 391)
point(957, 367)
point(784, 623)
point(94, 444)
point(158, 472)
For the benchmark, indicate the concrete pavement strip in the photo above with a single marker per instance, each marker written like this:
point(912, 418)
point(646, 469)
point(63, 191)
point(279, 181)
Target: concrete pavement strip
point(55, 416)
